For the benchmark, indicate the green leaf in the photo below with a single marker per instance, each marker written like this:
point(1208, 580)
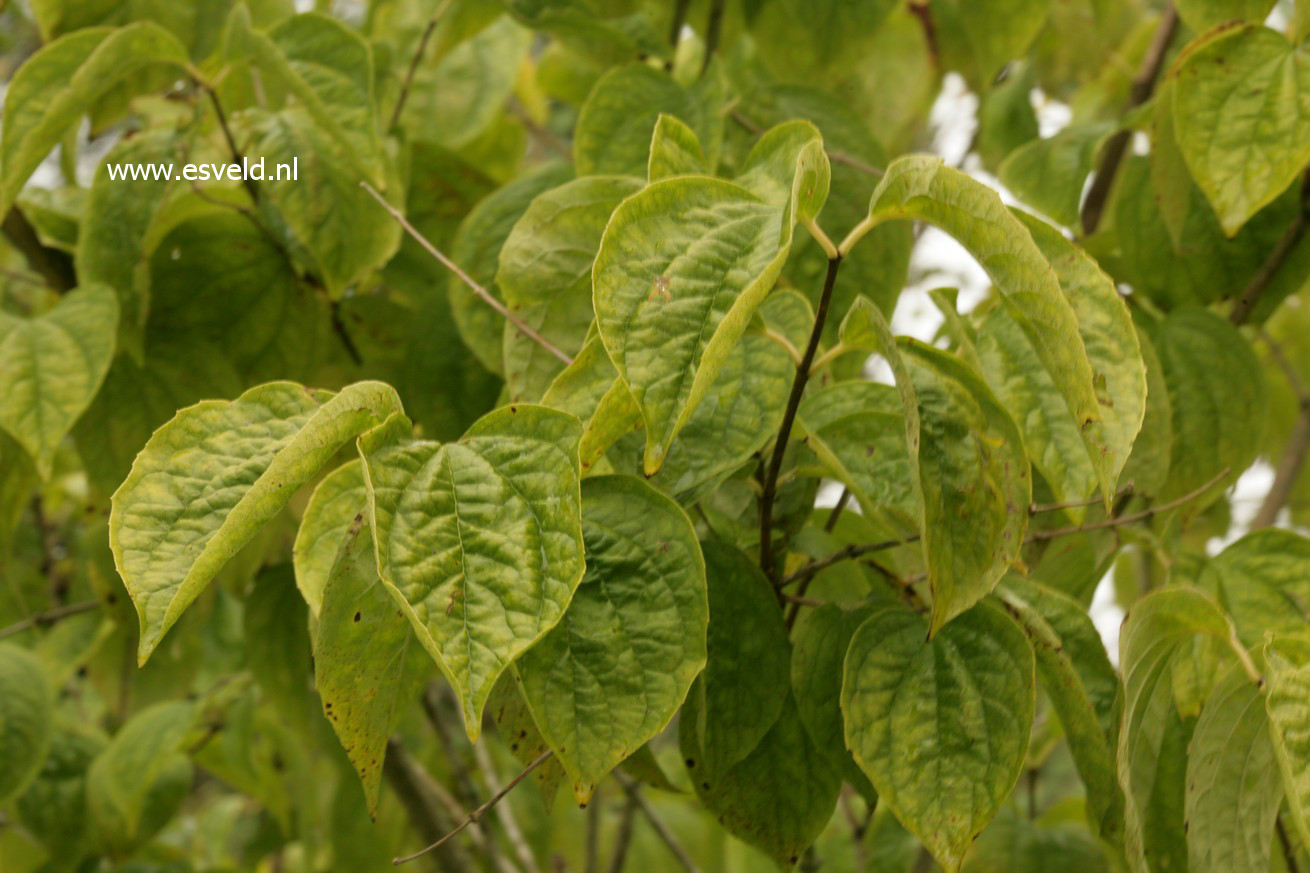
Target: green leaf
point(611, 674)
point(613, 134)
point(337, 504)
point(1234, 788)
point(53, 90)
point(141, 778)
point(1263, 582)
point(675, 150)
point(591, 389)
point(1242, 113)
point(207, 481)
point(682, 266)
point(1083, 687)
point(779, 797)
point(814, 40)
point(54, 365)
point(857, 429)
point(1148, 461)
point(476, 248)
point(1157, 629)
point(1216, 394)
point(925, 189)
point(279, 654)
point(977, 39)
point(53, 808)
point(819, 644)
point(789, 166)
point(515, 725)
point(1201, 15)
point(1113, 350)
point(968, 471)
point(746, 682)
point(331, 223)
point(368, 664)
point(1048, 174)
point(544, 275)
point(1287, 683)
point(479, 541)
point(24, 719)
point(117, 217)
point(940, 726)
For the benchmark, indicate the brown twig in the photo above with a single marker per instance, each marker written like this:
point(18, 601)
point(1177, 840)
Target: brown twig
point(713, 29)
point(1036, 508)
point(478, 290)
point(513, 833)
point(49, 617)
point(920, 10)
point(789, 418)
point(476, 815)
point(675, 29)
point(846, 554)
point(623, 838)
point(1282, 250)
point(246, 181)
point(414, 61)
point(1289, 469)
point(657, 824)
point(54, 267)
point(1118, 521)
point(406, 779)
point(1117, 146)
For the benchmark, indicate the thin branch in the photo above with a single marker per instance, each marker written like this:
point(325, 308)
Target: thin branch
point(675, 29)
point(713, 28)
point(1289, 469)
point(920, 10)
point(797, 600)
point(789, 418)
point(623, 838)
point(407, 780)
point(414, 61)
point(1118, 521)
point(657, 824)
point(591, 850)
point(837, 510)
point(846, 554)
point(512, 830)
point(1035, 508)
point(49, 617)
point(837, 157)
point(246, 181)
point(1280, 358)
point(1289, 853)
point(473, 286)
point(53, 266)
point(1117, 146)
point(476, 815)
point(1282, 250)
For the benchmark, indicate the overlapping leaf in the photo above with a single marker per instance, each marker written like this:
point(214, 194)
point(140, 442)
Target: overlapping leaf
point(940, 726)
point(208, 480)
point(24, 719)
point(1263, 583)
point(611, 674)
point(479, 541)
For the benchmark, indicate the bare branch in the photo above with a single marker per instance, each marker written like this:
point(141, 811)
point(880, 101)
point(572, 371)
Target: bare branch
point(414, 61)
point(49, 617)
point(657, 824)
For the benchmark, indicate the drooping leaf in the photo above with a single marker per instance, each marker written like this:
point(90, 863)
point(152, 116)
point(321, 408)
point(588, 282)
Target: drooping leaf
point(940, 726)
point(1048, 174)
point(1242, 113)
point(544, 275)
point(367, 662)
point(1083, 687)
point(779, 797)
point(479, 541)
point(208, 480)
point(674, 150)
point(1263, 583)
point(117, 217)
point(53, 808)
point(1155, 632)
point(476, 248)
point(613, 133)
point(1216, 395)
point(925, 189)
point(820, 641)
point(788, 165)
point(1234, 788)
point(337, 504)
point(141, 778)
point(24, 719)
point(746, 682)
point(53, 89)
point(1287, 682)
point(682, 267)
point(53, 366)
point(610, 675)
